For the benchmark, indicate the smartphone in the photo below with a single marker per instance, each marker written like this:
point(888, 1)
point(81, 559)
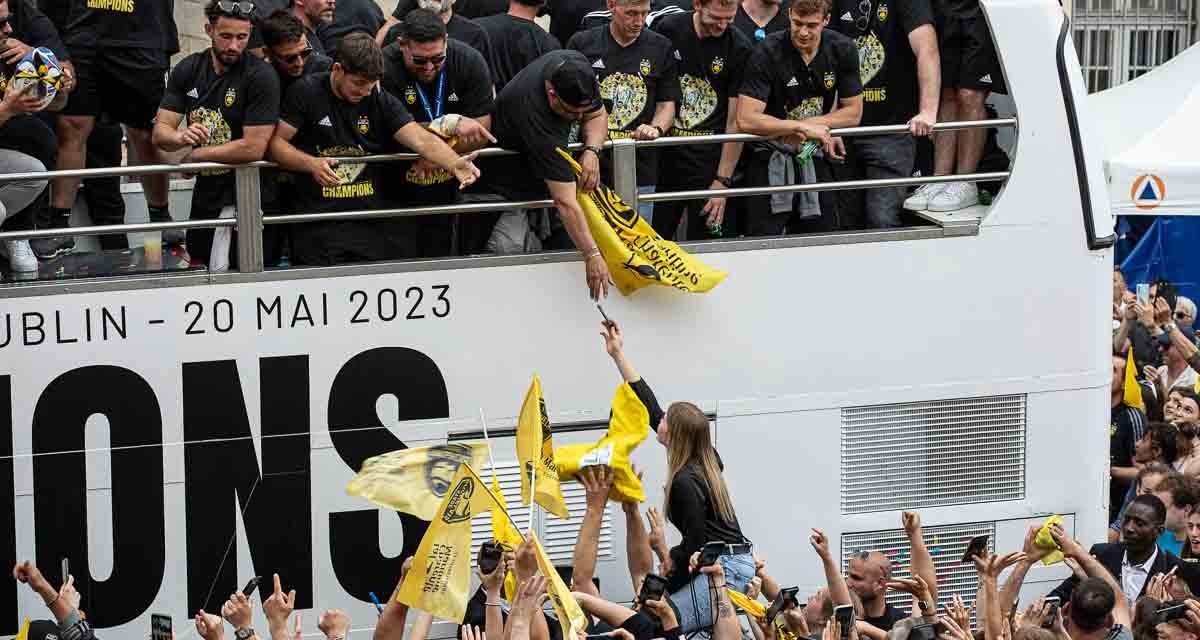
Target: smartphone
point(607, 321)
point(1143, 294)
point(66, 569)
point(1173, 610)
point(160, 627)
point(251, 586)
point(976, 547)
point(786, 596)
point(653, 588)
point(1052, 604)
point(489, 556)
point(844, 614)
point(926, 631)
point(710, 552)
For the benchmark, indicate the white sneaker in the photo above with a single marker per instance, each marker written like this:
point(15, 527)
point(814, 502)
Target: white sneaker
point(20, 256)
point(919, 200)
point(956, 196)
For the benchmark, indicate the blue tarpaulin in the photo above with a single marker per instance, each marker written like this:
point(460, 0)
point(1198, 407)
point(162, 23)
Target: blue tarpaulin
point(1168, 248)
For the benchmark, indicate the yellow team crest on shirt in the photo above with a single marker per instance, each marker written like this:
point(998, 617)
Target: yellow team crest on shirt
point(364, 124)
point(718, 63)
point(410, 95)
point(829, 79)
point(230, 97)
point(644, 67)
point(882, 12)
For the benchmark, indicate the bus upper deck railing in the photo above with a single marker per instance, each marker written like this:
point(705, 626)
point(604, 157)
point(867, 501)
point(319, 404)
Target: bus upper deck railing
point(249, 220)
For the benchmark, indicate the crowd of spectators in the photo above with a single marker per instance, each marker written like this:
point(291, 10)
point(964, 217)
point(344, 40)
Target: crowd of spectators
point(299, 82)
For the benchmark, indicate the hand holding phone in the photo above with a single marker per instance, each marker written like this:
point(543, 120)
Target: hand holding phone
point(653, 588)
point(709, 554)
point(977, 547)
point(844, 614)
point(785, 600)
point(1050, 607)
point(160, 627)
point(248, 590)
point(1143, 294)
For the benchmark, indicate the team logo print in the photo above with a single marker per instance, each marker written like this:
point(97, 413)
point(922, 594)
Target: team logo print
point(808, 108)
point(230, 97)
point(871, 56)
point(882, 12)
point(644, 67)
point(364, 124)
point(829, 79)
point(628, 95)
point(410, 95)
point(698, 102)
point(1147, 191)
point(218, 131)
point(458, 505)
point(718, 63)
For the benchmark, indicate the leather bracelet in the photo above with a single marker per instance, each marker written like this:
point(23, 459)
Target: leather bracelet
point(591, 253)
point(492, 604)
point(595, 150)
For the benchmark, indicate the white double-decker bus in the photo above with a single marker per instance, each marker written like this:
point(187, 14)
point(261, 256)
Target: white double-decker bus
point(173, 435)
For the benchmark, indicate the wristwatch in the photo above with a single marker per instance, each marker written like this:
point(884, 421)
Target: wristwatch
point(725, 180)
point(925, 606)
point(244, 633)
point(1168, 327)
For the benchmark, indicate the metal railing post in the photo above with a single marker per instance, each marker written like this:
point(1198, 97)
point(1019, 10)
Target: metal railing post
point(249, 220)
point(624, 156)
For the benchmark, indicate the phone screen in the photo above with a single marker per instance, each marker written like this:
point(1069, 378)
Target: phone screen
point(489, 557)
point(1143, 294)
point(251, 586)
point(66, 569)
point(160, 627)
point(653, 588)
point(844, 614)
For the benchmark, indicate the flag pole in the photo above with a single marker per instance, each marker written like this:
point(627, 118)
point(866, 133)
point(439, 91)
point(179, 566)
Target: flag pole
point(492, 461)
point(532, 492)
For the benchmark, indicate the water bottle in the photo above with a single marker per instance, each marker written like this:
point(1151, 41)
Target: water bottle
point(805, 154)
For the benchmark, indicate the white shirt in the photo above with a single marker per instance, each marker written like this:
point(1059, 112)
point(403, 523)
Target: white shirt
point(1133, 577)
point(1186, 379)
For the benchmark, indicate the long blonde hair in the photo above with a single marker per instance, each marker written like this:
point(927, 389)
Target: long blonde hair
point(689, 441)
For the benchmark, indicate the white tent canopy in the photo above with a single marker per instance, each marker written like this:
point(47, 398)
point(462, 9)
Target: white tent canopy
point(1151, 132)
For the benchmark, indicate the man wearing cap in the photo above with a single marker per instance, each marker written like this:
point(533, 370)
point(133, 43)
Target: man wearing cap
point(1175, 371)
point(533, 116)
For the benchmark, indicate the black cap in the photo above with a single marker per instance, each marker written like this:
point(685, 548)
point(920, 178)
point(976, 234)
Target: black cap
point(574, 81)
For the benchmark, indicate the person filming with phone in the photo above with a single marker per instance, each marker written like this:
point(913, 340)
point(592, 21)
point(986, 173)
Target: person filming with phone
point(697, 501)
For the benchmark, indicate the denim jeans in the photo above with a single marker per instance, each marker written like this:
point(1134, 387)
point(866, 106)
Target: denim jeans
point(646, 209)
point(694, 602)
point(874, 158)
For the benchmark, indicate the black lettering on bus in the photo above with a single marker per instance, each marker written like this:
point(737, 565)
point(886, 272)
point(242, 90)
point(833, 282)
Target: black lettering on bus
point(272, 309)
point(415, 380)
point(223, 478)
point(31, 323)
point(8, 516)
point(412, 313)
point(361, 305)
point(128, 402)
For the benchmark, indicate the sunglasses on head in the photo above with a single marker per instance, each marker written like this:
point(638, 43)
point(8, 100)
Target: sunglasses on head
point(303, 54)
point(235, 8)
point(864, 18)
point(421, 61)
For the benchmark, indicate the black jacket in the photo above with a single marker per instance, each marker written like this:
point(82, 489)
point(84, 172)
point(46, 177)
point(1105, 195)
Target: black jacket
point(1111, 555)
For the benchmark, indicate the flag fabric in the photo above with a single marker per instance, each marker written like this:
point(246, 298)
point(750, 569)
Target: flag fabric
point(504, 533)
point(1043, 540)
point(1133, 391)
point(535, 448)
point(440, 578)
point(636, 255)
point(627, 428)
point(570, 615)
point(414, 480)
point(742, 601)
point(23, 634)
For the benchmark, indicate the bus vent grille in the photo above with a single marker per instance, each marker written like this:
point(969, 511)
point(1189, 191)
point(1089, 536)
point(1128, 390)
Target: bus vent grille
point(936, 453)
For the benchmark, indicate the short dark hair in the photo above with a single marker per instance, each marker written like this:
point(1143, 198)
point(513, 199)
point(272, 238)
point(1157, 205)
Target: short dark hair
point(1154, 468)
point(422, 25)
point(809, 7)
point(1091, 603)
point(1165, 437)
point(1186, 393)
point(1180, 488)
point(358, 54)
point(531, 3)
point(281, 27)
point(213, 12)
point(1163, 288)
point(1152, 502)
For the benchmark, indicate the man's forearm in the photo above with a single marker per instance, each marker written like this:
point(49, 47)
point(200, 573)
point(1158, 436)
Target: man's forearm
point(1128, 474)
point(664, 116)
point(840, 117)
point(240, 151)
point(839, 593)
point(493, 620)
point(637, 544)
point(575, 224)
point(430, 147)
point(289, 157)
point(922, 563)
point(761, 124)
point(391, 622)
point(584, 559)
point(164, 138)
point(929, 77)
point(730, 151)
point(1012, 587)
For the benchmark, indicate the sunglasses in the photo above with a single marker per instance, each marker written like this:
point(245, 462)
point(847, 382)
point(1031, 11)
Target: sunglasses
point(421, 61)
point(864, 19)
point(299, 55)
point(1179, 315)
point(236, 8)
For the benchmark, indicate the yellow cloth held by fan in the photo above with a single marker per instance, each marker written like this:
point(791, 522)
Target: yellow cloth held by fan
point(743, 602)
point(1133, 391)
point(629, 425)
point(1046, 541)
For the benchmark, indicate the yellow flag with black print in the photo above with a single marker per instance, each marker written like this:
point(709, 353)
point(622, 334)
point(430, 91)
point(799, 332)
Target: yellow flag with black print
point(627, 428)
point(636, 255)
point(505, 535)
point(414, 480)
point(535, 449)
point(440, 579)
point(566, 608)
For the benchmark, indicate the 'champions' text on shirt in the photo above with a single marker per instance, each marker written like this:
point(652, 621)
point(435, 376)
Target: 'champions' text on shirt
point(124, 6)
point(356, 190)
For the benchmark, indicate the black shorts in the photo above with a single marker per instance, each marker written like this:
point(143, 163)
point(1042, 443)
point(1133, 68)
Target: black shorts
point(127, 84)
point(642, 626)
point(968, 54)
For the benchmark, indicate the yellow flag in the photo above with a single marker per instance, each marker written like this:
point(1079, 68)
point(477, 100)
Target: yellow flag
point(504, 533)
point(569, 614)
point(536, 448)
point(1043, 540)
point(636, 255)
point(23, 634)
point(629, 425)
point(1133, 391)
point(440, 577)
point(743, 602)
point(414, 480)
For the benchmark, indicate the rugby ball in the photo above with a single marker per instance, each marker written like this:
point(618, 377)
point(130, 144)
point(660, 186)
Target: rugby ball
point(40, 68)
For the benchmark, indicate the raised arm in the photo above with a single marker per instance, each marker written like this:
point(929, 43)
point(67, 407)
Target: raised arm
point(637, 545)
point(278, 608)
point(391, 622)
point(1093, 568)
point(1012, 586)
point(922, 560)
point(597, 483)
point(838, 591)
point(492, 584)
point(726, 627)
point(614, 344)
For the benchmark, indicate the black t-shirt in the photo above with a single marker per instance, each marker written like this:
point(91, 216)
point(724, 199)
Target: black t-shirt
point(567, 15)
point(1125, 429)
point(350, 16)
point(891, 615)
point(633, 80)
point(31, 26)
point(744, 23)
point(694, 513)
point(474, 9)
point(246, 95)
point(316, 63)
point(523, 121)
point(777, 75)
point(710, 72)
point(465, 88)
point(458, 28)
point(135, 24)
point(272, 178)
point(887, 66)
point(329, 126)
point(956, 9)
point(516, 42)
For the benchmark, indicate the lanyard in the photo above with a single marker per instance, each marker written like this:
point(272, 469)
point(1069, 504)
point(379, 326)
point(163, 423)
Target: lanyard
point(436, 111)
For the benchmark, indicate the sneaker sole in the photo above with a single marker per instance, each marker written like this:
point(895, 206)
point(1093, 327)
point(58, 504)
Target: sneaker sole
point(952, 209)
point(914, 206)
point(50, 256)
